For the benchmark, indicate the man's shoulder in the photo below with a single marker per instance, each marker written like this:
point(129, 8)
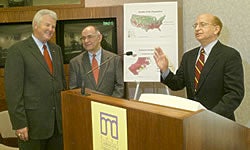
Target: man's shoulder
point(225, 48)
point(192, 51)
point(20, 45)
point(106, 52)
point(78, 57)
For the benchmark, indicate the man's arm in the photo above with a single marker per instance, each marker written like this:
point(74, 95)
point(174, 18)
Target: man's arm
point(14, 81)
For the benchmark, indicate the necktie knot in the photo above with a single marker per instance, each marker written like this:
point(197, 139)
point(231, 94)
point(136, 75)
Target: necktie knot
point(202, 51)
point(44, 47)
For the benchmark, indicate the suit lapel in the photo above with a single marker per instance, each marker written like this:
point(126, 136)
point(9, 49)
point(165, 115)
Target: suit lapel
point(193, 62)
point(35, 51)
point(189, 63)
point(210, 62)
point(103, 68)
point(87, 67)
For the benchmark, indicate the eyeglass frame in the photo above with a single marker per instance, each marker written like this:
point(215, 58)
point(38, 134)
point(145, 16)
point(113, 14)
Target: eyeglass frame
point(202, 25)
point(90, 36)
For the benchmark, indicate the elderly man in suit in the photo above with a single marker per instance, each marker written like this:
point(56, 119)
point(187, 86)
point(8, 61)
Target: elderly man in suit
point(218, 81)
point(33, 86)
point(99, 69)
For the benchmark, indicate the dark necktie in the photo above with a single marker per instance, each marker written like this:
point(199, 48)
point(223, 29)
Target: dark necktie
point(47, 58)
point(95, 68)
point(198, 68)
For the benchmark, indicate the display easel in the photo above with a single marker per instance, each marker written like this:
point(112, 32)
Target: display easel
point(136, 96)
point(136, 90)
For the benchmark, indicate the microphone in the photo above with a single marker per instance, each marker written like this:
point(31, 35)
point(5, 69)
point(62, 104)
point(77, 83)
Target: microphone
point(129, 53)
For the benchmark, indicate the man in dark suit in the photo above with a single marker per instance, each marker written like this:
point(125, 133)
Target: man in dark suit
point(220, 87)
point(33, 88)
point(110, 75)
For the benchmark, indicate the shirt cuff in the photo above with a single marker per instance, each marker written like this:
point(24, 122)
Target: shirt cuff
point(165, 74)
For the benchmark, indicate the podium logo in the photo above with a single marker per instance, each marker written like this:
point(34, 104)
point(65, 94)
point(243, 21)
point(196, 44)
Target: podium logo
point(109, 125)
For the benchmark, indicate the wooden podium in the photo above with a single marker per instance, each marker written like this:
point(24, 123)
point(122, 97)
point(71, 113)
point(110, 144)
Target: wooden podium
point(151, 127)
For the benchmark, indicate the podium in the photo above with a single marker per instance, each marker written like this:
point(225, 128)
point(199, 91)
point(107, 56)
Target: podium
point(150, 126)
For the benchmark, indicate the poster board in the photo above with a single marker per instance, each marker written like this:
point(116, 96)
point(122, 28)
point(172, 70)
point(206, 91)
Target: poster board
point(146, 26)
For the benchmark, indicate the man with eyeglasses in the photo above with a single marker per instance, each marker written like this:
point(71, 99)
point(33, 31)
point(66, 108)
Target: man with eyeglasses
point(107, 76)
point(220, 87)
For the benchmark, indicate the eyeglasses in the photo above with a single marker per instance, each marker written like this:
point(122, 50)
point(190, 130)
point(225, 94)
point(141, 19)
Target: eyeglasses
point(91, 36)
point(201, 25)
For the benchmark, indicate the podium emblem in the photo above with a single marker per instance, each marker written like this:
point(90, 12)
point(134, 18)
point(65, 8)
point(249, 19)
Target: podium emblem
point(109, 127)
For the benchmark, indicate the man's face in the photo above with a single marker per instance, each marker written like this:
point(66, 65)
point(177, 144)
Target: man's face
point(91, 39)
point(45, 29)
point(205, 30)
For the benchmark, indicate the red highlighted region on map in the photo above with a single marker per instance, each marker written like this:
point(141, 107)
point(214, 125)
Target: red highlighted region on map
point(140, 64)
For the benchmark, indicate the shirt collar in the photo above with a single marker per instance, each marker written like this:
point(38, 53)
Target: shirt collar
point(209, 47)
point(97, 54)
point(38, 42)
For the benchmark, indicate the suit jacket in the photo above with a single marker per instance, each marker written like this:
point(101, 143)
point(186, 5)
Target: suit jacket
point(221, 84)
point(32, 93)
point(110, 81)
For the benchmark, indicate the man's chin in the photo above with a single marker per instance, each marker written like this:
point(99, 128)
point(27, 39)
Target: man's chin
point(48, 37)
point(198, 38)
point(89, 49)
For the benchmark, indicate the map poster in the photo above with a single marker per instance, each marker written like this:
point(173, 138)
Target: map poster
point(147, 26)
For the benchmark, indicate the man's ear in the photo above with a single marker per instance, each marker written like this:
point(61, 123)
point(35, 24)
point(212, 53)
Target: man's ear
point(35, 25)
point(99, 37)
point(217, 29)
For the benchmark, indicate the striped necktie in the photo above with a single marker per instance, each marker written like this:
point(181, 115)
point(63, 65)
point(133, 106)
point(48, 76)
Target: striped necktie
point(198, 68)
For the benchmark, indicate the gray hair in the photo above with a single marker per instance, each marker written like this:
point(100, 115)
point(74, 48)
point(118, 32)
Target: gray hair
point(41, 13)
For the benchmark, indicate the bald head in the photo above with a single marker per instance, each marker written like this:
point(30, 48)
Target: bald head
point(212, 19)
point(91, 39)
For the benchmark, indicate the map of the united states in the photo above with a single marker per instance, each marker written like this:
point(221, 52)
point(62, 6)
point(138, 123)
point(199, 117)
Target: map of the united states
point(146, 22)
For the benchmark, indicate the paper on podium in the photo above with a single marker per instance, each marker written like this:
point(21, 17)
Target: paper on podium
point(171, 101)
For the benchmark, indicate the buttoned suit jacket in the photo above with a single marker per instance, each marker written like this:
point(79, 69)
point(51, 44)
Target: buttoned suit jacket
point(221, 84)
point(110, 81)
point(32, 93)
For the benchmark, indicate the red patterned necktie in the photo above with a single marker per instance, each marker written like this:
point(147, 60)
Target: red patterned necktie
point(47, 58)
point(95, 68)
point(198, 68)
